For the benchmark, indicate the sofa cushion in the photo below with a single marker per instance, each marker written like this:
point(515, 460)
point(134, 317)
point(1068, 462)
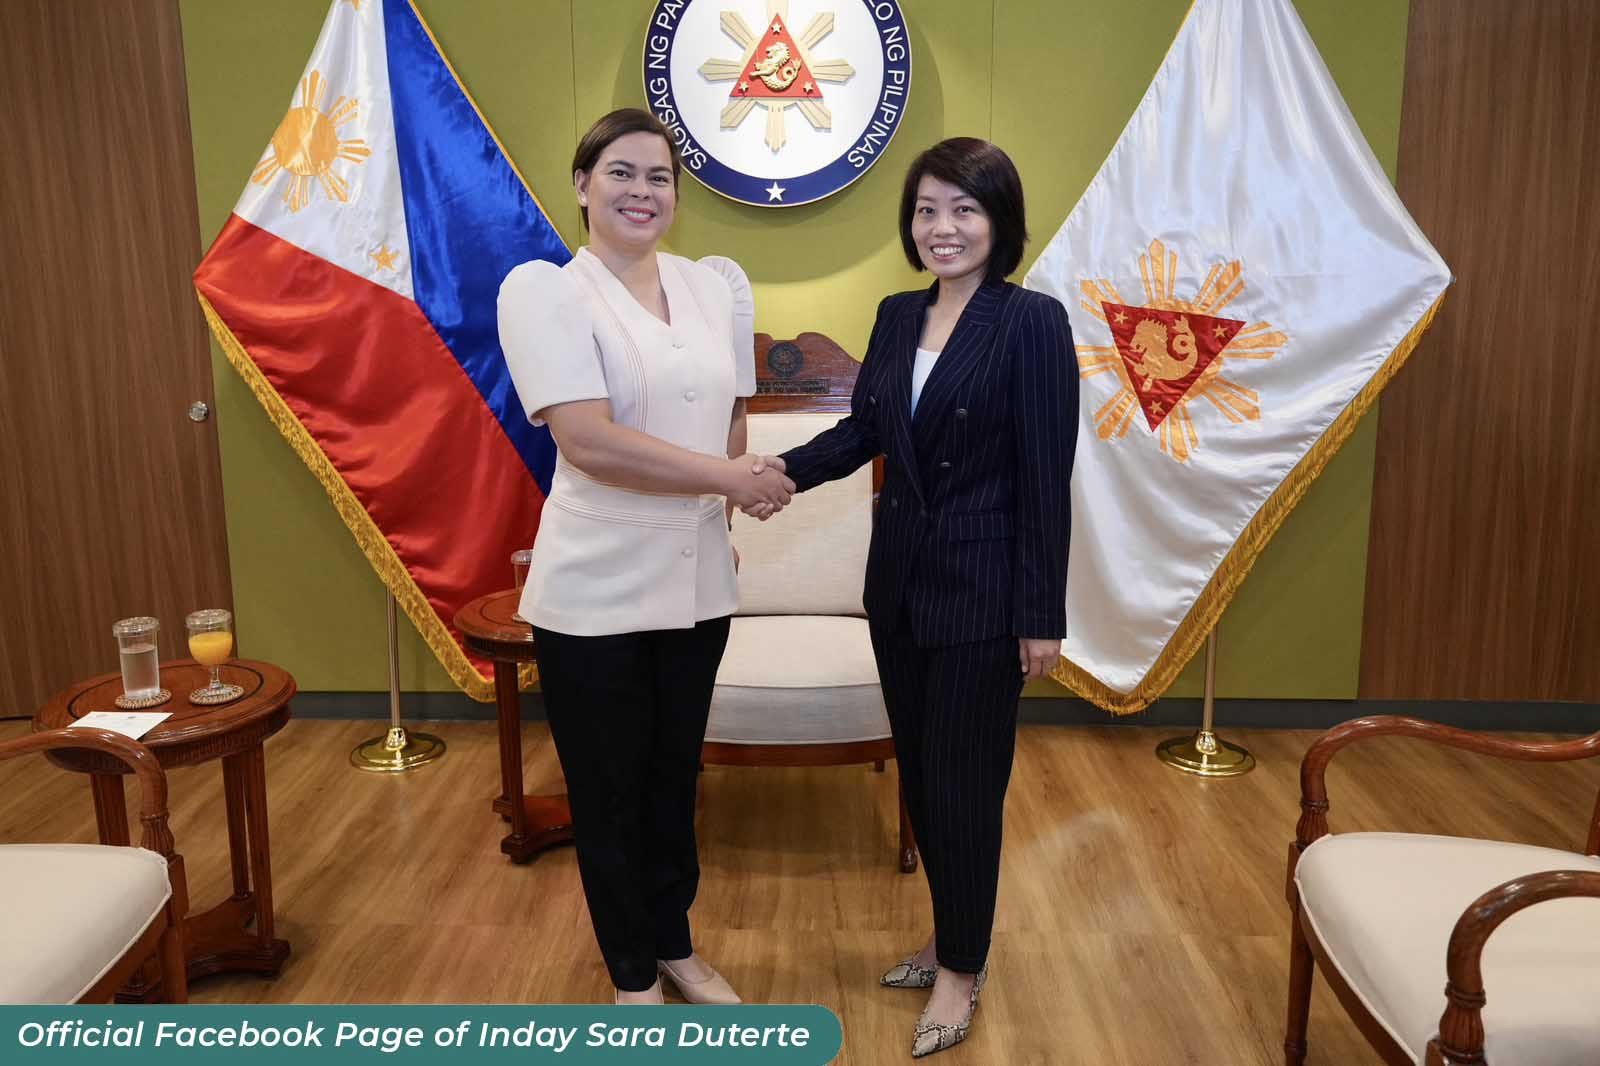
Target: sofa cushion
point(1384, 904)
point(812, 558)
point(797, 679)
point(71, 911)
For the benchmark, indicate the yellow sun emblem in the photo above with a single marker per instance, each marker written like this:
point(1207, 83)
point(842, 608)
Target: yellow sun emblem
point(1163, 363)
point(306, 144)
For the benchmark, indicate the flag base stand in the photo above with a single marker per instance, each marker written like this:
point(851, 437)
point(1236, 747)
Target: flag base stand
point(1203, 754)
point(396, 751)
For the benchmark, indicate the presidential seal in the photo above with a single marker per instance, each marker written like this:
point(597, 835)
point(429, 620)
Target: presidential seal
point(774, 103)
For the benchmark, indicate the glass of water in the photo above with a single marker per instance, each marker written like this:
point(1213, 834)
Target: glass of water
point(141, 663)
point(520, 562)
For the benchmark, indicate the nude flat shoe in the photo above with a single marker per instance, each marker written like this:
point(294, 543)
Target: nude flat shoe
point(714, 990)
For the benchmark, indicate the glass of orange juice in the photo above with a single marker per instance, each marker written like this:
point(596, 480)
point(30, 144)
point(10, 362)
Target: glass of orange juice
point(211, 645)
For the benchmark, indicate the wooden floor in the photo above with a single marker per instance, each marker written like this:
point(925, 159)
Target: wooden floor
point(1141, 917)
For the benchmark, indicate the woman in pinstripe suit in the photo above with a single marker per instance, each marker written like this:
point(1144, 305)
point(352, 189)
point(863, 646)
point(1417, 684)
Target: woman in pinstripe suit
point(970, 389)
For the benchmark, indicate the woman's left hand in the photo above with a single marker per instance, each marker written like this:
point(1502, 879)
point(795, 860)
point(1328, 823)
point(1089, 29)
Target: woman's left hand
point(1037, 656)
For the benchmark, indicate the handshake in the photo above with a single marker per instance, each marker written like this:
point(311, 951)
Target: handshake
point(757, 485)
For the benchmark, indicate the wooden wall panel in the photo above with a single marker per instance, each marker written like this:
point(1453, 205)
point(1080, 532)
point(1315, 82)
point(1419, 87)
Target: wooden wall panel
point(1483, 577)
point(110, 497)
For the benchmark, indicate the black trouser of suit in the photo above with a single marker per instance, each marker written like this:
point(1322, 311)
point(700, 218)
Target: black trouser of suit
point(628, 716)
point(953, 711)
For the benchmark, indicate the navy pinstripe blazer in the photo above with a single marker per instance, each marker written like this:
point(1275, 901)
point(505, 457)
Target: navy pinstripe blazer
point(970, 537)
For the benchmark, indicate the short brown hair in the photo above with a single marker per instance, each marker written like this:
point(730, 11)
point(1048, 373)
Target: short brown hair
point(986, 174)
point(617, 124)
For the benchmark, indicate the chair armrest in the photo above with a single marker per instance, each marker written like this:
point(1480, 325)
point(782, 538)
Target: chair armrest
point(156, 835)
point(1313, 823)
point(1460, 1037)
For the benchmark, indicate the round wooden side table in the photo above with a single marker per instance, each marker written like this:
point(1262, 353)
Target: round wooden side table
point(237, 934)
point(537, 822)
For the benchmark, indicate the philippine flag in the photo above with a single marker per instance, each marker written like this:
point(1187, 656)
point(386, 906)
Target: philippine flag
point(354, 289)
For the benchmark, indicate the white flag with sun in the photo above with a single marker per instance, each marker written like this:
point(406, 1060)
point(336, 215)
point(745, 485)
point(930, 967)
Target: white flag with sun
point(1242, 281)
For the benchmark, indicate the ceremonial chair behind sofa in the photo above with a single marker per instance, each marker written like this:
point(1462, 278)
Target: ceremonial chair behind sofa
point(818, 702)
point(80, 919)
point(1400, 925)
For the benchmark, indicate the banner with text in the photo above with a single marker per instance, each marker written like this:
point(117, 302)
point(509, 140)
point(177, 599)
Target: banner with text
point(305, 1035)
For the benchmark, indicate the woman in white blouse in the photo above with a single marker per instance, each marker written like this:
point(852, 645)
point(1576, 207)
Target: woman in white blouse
point(640, 363)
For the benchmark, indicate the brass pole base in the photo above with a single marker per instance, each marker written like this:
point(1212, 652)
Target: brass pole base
point(396, 752)
point(1203, 754)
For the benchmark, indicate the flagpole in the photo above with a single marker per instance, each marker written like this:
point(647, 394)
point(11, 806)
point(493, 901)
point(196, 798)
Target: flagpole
point(397, 750)
point(1203, 753)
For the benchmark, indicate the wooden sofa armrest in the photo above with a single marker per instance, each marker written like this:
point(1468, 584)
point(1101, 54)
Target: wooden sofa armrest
point(1313, 823)
point(156, 835)
point(1460, 1037)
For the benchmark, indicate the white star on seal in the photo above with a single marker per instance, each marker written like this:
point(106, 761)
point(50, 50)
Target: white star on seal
point(774, 192)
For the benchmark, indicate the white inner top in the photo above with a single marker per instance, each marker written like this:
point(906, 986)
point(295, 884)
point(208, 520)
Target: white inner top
point(919, 374)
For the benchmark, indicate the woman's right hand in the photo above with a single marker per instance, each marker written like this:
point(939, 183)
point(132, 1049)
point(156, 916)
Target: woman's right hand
point(758, 494)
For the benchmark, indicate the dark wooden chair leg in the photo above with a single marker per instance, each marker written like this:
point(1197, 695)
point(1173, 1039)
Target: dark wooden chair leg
point(174, 964)
point(908, 842)
point(1301, 969)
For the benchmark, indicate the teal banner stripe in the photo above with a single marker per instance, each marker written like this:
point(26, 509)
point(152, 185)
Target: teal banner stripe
point(305, 1035)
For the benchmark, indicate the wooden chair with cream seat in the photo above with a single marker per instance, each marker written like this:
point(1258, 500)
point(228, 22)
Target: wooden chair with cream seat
point(80, 919)
point(817, 703)
point(1407, 928)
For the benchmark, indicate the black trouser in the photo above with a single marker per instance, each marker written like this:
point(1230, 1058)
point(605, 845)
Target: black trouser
point(628, 715)
point(954, 715)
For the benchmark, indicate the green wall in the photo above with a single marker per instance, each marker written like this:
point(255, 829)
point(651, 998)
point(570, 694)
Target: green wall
point(1051, 81)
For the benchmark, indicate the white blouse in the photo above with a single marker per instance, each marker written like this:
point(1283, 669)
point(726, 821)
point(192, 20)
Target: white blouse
point(608, 559)
point(920, 369)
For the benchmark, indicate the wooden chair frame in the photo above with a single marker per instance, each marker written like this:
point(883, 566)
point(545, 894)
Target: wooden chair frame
point(808, 375)
point(1459, 1041)
point(162, 943)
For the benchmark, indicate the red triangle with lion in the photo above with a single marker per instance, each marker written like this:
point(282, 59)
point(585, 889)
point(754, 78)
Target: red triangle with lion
point(776, 71)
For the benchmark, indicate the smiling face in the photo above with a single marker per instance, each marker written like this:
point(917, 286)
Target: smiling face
point(630, 192)
point(951, 231)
